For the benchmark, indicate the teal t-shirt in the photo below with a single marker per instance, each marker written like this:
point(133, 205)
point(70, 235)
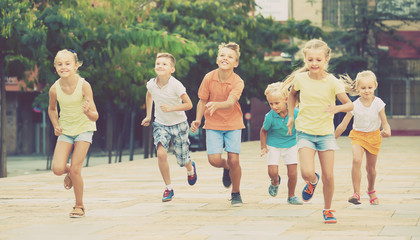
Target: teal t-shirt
point(276, 128)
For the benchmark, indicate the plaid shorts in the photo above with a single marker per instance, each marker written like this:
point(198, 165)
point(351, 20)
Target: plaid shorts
point(178, 133)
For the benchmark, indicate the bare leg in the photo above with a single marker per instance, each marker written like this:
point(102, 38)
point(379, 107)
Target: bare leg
point(356, 173)
point(326, 159)
point(371, 174)
point(80, 150)
point(292, 179)
point(217, 161)
point(307, 164)
point(273, 173)
point(163, 164)
point(61, 155)
point(235, 171)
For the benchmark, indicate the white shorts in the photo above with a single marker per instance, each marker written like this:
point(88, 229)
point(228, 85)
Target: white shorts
point(290, 155)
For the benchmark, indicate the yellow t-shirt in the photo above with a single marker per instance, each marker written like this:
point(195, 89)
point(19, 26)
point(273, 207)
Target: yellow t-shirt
point(72, 118)
point(315, 95)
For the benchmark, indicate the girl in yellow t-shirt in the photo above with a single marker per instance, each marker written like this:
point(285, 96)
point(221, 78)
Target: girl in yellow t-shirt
point(75, 124)
point(317, 90)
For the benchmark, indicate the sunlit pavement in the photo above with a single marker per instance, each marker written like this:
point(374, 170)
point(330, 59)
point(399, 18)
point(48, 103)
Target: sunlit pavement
point(123, 201)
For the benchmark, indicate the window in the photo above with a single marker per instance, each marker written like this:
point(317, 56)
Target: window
point(337, 13)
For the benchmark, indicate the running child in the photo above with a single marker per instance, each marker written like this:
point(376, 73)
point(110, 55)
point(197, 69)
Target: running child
point(317, 91)
point(171, 101)
point(219, 94)
point(369, 117)
point(75, 124)
point(277, 143)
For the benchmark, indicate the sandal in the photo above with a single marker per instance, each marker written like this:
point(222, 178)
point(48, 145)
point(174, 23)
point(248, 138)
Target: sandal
point(68, 184)
point(77, 212)
point(355, 199)
point(373, 201)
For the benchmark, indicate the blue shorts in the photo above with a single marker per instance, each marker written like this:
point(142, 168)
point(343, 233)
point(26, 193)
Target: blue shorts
point(316, 142)
point(216, 139)
point(178, 133)
point(84, 137)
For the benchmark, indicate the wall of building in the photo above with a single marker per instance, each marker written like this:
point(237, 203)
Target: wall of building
point(11, 123)
point(303, 9)
point(405, 126)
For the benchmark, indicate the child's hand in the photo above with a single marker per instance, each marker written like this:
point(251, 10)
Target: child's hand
point(194, 125)
point(212, 107)
point(264, 151)
point(58, 130)
point(146, 121)
point(290, 125)
point(165, 108)
point(86, 106)
point(385, 133)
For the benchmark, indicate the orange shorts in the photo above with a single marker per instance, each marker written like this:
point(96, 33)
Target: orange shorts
point(370, 141)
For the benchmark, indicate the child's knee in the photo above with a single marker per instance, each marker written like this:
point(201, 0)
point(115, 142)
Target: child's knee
point(59, 170)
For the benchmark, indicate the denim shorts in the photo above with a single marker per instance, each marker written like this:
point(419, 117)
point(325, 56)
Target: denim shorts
point(83, 137)
point(216, 139)
point(316, 142)
point(178, 133)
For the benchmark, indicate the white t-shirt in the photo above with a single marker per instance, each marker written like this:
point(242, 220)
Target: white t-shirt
point(366, 119)
point(169, 94)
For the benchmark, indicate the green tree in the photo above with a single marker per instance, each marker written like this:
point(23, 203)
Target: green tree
point(21, 39)
point(364, 23)
point(118, 52)
point(208, 23)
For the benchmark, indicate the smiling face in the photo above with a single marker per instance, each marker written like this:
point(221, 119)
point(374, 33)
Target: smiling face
point(316, 60)
point(277, 103)
point(164, 67)
point(227, 59)
point(65, 64)
point(366, 87)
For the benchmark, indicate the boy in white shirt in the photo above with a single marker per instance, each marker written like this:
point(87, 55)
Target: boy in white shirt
point(171, 101)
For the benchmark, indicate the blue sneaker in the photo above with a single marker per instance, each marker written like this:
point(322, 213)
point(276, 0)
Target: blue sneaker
point(329, 217)
point(294, 200)
point(236, 200)
point(193, 178)
point(309, 189)
point(273, 190)
point(167, 195)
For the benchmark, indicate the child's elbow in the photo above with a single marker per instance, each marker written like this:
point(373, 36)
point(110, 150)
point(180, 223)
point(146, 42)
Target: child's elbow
point(189, 106)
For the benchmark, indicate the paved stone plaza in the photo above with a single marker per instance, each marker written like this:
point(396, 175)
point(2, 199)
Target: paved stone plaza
point(123, 201)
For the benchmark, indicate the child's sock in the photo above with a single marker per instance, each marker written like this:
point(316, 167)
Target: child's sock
point(169, 187)
point(190, 173)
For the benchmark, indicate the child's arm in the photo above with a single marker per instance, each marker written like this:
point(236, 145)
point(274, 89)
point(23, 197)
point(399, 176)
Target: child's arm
point(263, 141)
point(185, 106)
point(343, 125)
point(89, 107)
point(201, 105)
point(291, 103)
point(53, 112)
point(213, 106)
point(347, 104)
point(149, 105)
point(386, 128)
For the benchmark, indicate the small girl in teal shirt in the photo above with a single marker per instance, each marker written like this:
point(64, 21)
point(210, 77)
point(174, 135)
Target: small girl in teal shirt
point(276, 142)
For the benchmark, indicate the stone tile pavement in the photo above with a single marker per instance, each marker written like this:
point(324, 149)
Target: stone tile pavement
point(123, 201)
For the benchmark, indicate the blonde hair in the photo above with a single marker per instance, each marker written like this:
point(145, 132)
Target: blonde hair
point(277, 89)
point(231, 45)
point(167, 55)
point(314, 44)
point(72, 52)
point(352, 85)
